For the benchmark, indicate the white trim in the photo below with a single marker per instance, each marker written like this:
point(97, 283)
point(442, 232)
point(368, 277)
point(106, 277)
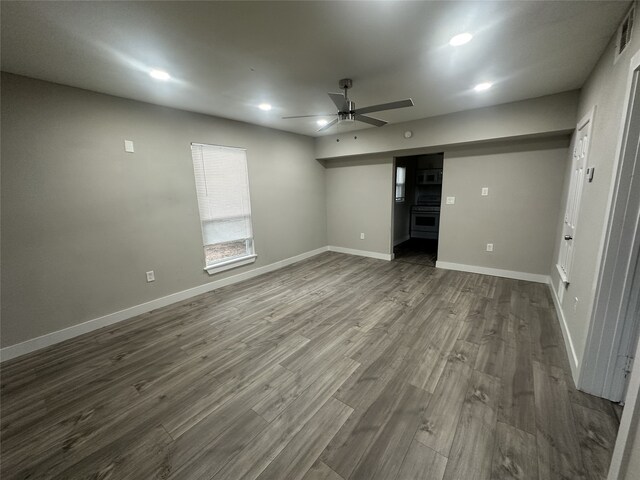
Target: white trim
point(588, 118)
point(214, 145)
point(52, 338)
point(361, 253)
point(562, 275)
point(630, 418)
point(600, 345)
point(496, 272)
point(568, 341)
point(229, 264)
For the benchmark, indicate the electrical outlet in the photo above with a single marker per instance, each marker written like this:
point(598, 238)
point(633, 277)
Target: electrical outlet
point(362, 236)
point(451, 200)
point(489, 247)
point(575, 304)
point(485, 191)
point(151, 277)
point(128, 146)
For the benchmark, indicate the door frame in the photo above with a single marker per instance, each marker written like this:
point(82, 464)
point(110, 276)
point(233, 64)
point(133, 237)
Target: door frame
point(393, 208)
point(619, 241)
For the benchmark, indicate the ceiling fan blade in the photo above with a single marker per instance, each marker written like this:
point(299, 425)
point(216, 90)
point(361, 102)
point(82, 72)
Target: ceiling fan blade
point(333, 122)
point(386, 106)
point(370, 120)
point(306, 116)
point(339, 100)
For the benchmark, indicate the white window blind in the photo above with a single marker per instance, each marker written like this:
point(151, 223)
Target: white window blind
point(222, 187)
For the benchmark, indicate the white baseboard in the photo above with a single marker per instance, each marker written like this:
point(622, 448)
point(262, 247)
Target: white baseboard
point(496, 272)
point(52, 338)
point(361, 253)
point(573, 357)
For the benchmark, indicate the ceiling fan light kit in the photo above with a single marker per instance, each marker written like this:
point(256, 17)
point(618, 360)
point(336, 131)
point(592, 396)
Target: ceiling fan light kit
point(347, 112)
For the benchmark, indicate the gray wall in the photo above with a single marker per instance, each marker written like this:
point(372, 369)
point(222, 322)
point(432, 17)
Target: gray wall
point(519, 216)
point(82, 220)
point(359, 200)
point(605, 90)
point(536, 116)
point(357, 184)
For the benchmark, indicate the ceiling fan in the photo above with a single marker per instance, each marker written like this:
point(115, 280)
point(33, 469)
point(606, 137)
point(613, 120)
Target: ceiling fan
point(347, 111)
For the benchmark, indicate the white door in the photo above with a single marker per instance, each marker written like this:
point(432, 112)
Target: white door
point(578, 167)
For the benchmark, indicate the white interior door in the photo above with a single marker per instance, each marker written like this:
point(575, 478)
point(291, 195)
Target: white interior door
point(578, 167)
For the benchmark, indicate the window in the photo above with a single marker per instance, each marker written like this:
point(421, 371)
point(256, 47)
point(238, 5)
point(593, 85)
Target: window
point(222, 187)
point(401, 177)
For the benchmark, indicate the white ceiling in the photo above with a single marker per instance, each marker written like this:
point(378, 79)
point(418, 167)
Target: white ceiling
point(225, 58)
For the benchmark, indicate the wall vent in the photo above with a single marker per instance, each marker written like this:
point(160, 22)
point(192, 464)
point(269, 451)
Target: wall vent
point(625, 31)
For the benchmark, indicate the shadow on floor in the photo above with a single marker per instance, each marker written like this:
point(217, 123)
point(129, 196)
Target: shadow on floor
point(417, 250)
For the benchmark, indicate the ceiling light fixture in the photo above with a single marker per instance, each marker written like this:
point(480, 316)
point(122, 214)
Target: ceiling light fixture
point(481, 87)
point(159, 75)
point(460, 39)
point(264, 106)
point(322, 122)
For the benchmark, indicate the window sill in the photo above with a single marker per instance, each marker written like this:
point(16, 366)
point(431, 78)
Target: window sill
point(229, 264)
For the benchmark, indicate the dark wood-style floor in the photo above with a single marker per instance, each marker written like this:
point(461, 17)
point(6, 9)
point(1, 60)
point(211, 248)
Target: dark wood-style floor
point(417, 250)
point(338, 367)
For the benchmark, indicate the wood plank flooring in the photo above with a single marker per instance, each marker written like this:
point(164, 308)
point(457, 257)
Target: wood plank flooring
point(335, 368)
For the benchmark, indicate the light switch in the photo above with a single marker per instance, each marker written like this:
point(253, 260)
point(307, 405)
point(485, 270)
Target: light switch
point(485, 191)
point(451, 200)
point(489, 247)
point(128, 146)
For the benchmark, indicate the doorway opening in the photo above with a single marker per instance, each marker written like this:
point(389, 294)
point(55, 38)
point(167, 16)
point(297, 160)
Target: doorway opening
point(416, 216)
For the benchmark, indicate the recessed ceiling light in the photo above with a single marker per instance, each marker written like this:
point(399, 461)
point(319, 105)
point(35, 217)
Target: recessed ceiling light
point(264, 106)
point(460, 39)
point(481, 87)
point(322, 122)
point(159, 75)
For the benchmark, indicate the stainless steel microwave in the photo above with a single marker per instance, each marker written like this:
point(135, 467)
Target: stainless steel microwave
point(429, 176)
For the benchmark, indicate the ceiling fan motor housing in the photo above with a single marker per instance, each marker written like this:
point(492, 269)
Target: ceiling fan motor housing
point(349, 113)
point(346, 117)
point(349, 107)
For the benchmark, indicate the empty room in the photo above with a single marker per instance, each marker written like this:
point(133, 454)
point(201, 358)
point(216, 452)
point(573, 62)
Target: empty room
point(320, 240)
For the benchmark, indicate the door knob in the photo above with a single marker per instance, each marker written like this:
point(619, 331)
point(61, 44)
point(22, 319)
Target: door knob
point(568, 237)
